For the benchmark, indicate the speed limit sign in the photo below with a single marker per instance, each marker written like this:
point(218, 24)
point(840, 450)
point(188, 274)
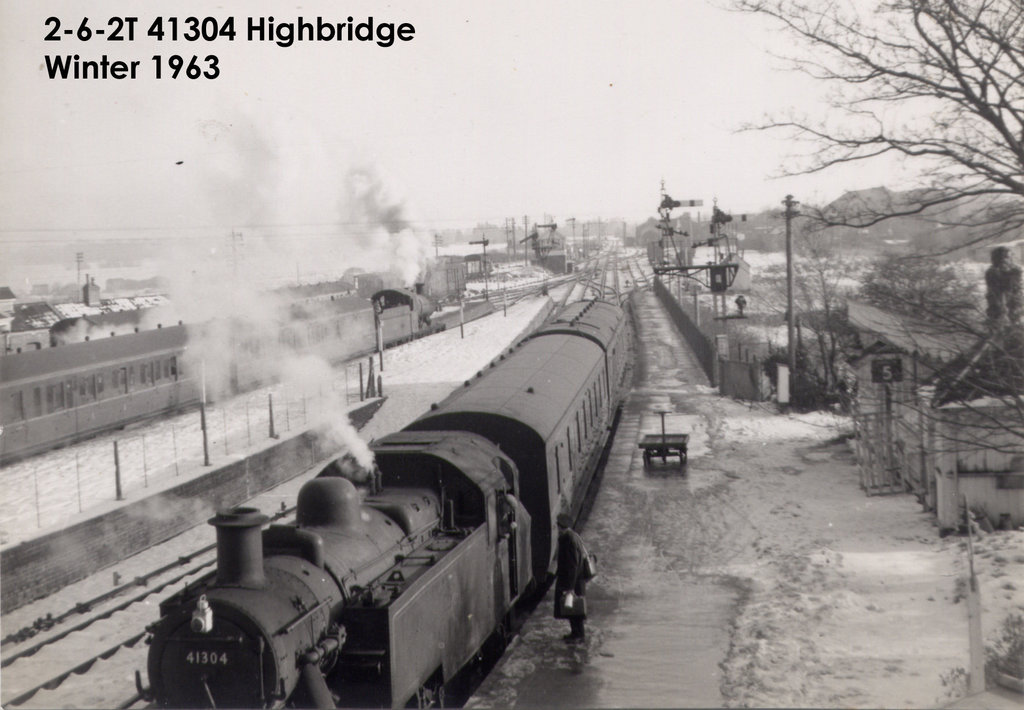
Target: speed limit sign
point(888, 369)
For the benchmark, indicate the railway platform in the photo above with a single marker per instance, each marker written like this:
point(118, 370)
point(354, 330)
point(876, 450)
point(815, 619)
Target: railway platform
point(657, 627)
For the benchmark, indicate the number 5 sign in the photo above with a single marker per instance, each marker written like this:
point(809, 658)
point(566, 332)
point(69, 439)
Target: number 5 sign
point(887, 370)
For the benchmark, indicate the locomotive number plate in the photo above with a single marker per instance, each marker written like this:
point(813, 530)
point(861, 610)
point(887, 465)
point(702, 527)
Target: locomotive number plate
point(207, 658)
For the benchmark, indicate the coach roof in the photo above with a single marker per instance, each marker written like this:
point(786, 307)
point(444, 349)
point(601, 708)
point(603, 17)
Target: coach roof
point(595, 320)
point(534, 385)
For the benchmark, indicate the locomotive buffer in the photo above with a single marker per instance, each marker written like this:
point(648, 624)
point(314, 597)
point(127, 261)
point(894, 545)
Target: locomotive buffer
point(664, 445)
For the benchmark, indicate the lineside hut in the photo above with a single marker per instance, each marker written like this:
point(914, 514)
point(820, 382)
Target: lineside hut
point(938, 415)
point(898, 355)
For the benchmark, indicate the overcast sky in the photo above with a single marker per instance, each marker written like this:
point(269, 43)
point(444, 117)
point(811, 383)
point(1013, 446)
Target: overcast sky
point(494, 109)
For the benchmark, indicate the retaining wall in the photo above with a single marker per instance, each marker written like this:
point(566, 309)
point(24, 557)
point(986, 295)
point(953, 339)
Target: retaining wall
point(48, 563)
point(702, 346)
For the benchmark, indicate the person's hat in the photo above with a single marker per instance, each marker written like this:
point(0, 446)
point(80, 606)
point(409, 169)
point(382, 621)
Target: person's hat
point(564, 521)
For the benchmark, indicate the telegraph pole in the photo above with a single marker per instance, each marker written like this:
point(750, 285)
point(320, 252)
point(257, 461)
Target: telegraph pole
point(526, 247)
point(79, 258)
point(790, 213)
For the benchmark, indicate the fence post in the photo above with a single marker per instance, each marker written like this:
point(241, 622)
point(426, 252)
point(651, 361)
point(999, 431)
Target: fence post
point(380, 386)
point(270, 408)
point(370, 389)
point(145, 468)
point(174, 443)
point(117, 473)
point(976, 676)
point(202, 423)
point(78, 482)
point(35, 481)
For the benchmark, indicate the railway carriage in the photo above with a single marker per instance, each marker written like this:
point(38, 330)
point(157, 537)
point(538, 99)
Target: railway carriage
point(548, 404)
point(61, 395)
point(64, 394)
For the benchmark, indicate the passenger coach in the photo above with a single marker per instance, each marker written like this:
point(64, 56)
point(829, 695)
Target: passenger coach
point(548, 407)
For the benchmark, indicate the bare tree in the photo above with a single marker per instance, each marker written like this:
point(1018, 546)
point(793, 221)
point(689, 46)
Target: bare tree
point(938, 82)
point(923, 288)
point(821, 286)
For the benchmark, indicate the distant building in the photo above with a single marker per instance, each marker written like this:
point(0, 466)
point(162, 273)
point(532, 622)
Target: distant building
point(37, 325)
point(368, 284)
point(90, 292)
point(446, 278)
point(475, 265)
point(7, 299)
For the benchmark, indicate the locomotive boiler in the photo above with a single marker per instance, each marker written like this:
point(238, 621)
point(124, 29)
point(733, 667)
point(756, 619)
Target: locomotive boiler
point(379, 594)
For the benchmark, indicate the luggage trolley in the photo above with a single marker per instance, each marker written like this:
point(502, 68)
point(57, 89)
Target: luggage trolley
point(664, 445)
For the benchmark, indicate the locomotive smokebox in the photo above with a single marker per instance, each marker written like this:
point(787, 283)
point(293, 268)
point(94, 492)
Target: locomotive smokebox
point(240, 547)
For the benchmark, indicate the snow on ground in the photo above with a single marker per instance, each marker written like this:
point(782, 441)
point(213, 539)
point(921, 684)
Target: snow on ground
point(853, 601)
point(848, 601)
point(49, 491)
point(415, 374)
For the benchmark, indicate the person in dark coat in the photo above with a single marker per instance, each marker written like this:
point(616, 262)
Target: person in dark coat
point(569, 576)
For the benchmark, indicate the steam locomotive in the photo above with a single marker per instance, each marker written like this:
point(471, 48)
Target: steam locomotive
point(378, 594)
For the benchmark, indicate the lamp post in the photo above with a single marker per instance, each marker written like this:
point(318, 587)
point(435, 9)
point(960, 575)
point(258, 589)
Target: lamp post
point(790, 213)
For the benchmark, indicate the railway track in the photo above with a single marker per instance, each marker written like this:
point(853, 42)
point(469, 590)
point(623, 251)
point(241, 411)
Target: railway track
point(24, 663)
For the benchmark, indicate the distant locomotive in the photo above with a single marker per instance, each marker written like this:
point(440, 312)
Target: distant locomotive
point(61, 395)
point(379, 596)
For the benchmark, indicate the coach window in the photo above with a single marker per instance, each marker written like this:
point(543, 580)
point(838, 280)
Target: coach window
point(37, 401)
point(156, 370)
point(18, 406)
point(131, 376)
point(579, 441)
point(558, 468)
point(99, 384)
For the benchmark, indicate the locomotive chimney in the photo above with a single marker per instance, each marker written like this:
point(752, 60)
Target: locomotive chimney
point(240, 547)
